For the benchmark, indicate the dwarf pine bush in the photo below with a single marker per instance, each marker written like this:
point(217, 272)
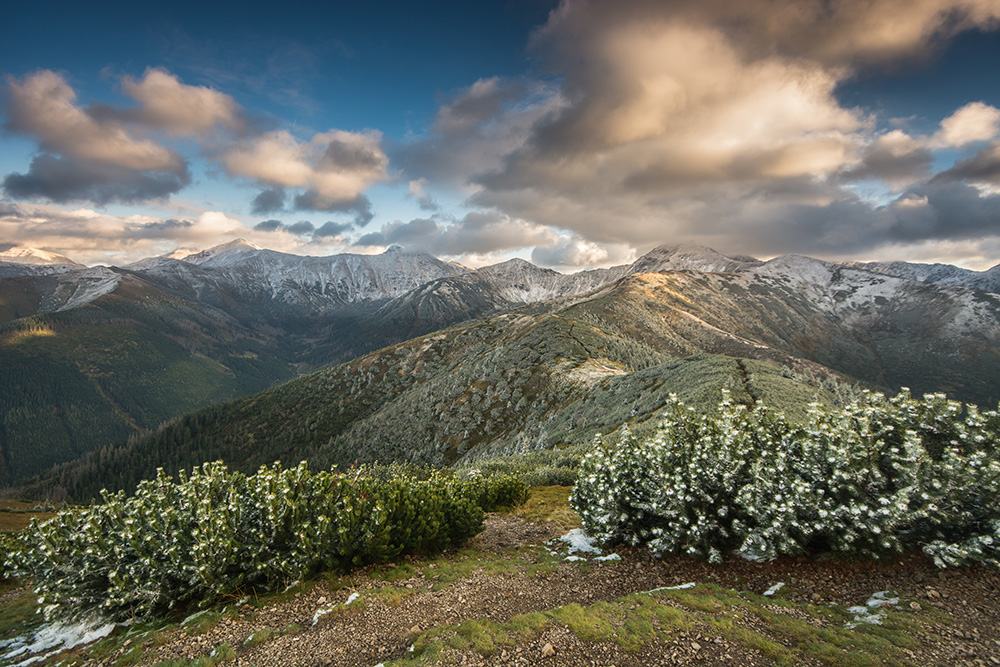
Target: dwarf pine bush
point(213, 532)
point(876, 477)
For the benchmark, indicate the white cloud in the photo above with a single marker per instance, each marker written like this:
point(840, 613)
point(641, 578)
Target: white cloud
point(44, 106)
point(974, 122)
point(179, 108)
point(335, 168)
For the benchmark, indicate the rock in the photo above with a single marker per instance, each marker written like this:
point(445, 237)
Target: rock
point(696, 646)
point(933, 594)
point(915, 606)
point(548, 651)
point(321, 600)
point(415, 629)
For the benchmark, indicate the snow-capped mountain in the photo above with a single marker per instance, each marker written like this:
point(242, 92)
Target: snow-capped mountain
point(242, 271)
point(23, 261)
point(942, 274)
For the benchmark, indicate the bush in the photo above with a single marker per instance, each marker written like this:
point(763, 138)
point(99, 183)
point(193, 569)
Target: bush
point(10, 551)
point(184, 543)
point(874, 478)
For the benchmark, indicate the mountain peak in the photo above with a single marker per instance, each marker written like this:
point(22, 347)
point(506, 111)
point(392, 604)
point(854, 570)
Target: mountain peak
point(26, 255)
point(691, 257)
point(230, 249)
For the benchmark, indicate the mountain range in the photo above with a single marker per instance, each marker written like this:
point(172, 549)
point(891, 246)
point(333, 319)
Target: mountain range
point(406, 357)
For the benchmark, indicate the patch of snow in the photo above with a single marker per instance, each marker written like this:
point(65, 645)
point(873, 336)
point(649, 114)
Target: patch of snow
point(774, 589)
point(194, 616)
point(575, 559)
point(580, 542)
point(609, 558)
point(53, 638)
point(320, 613)
point(679, 587)
point(873, 612)
point(881, 599)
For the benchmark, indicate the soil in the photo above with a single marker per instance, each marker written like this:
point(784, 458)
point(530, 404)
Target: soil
point(958, 611)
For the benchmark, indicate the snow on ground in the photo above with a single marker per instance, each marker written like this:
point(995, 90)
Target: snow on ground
point(53, 638)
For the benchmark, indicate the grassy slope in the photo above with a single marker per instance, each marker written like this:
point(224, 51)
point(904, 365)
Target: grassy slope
point(73, 381)
point(503, 385)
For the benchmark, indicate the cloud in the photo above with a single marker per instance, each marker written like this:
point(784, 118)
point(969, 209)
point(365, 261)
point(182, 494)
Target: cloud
point(334, 168)
point(478, 232)
point(44, 106)
point(301, 227)
point(270, 200)
point(570, 251)
point(709, 121)
point(87, 156)
point(331, 229)
point(474, 129)
point(416, 191)
point(66, 179)
point(895, 158)
point(974, 122)
point(168, 104)
point(984, 167)
point(269, 225)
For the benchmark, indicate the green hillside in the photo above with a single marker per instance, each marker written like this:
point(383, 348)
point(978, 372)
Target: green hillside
point(556, 373)
point(75, 380)
point(503, 385)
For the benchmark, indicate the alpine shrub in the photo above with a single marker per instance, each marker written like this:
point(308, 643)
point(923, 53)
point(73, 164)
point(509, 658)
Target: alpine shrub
point(213, 532)
point(876, 477)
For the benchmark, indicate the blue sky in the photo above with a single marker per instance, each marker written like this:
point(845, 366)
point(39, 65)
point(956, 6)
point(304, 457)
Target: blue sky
point(574, 133)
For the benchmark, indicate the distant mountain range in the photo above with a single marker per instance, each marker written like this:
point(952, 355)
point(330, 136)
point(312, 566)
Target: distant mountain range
point(522, 356)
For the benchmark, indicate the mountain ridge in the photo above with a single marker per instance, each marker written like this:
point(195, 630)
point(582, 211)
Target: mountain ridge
point(240, 318)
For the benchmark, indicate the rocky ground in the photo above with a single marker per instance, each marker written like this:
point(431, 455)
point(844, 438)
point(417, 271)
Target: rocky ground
point(509, 599)
point(516, 596)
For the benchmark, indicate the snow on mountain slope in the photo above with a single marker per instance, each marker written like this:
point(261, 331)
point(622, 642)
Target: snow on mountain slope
point(73, 289)
point(942, 274)
point(241, 270)
point(24, 255)
point(23, 261)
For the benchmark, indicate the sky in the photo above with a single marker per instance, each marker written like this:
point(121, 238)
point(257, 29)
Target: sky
point(574, 134)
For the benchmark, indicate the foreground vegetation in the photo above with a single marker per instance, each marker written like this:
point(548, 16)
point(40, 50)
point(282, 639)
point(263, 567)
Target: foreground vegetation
point(874, 478)
point(212, 533)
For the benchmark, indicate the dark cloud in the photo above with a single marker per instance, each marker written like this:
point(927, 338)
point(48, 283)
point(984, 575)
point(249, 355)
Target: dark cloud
point(849, 226)
point(360, 206)
point(162, 229)
point(350, 155)
point(301, 227)
point(984, 167)
point(477, 232)
point(270, 200)
point(66, 180)
point(894, 158)
point(268, 226)
point(332, 228)
point(474, 130)
point(371, 239)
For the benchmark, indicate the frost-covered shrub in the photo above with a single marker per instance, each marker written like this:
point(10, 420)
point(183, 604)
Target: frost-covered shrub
point(878, 476)
point(213, 532)
point(10, 551)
